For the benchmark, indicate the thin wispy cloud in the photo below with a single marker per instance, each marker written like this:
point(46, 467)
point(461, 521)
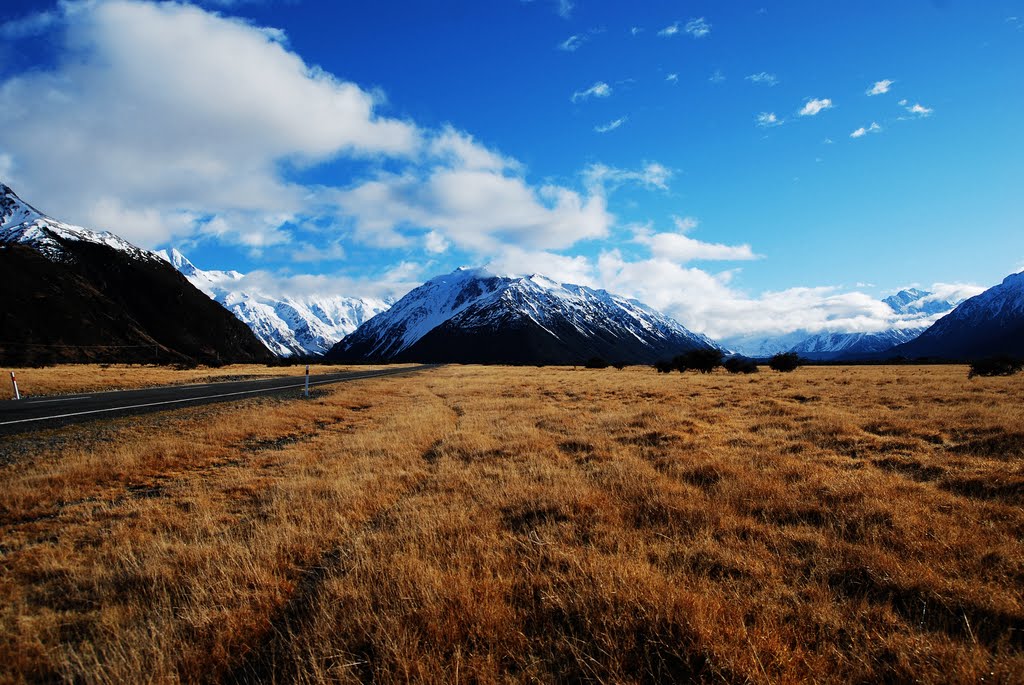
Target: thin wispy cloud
point(565, 8)
point(652, 175)
point(698, 28)
point(881, 87)
point(768, 120)
point(636, 30)
point(815, 106)
point(32, 25)
point(672, 78)
point(598, 90)
point(611, 125)
point(670, 30)
point(572, 43)
point(717, 76)
point(763, 78)
point(919, 110)
point(864, 130)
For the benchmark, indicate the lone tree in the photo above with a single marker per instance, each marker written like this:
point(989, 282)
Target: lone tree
point(740, 365)
point(702, 361)
point(995, 366)
point(664, 366)
point(784, 361)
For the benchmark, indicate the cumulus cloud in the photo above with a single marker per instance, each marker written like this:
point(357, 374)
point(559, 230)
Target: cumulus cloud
point(768, 120)
point(864, 130)
point(880, 87)
point(698, 28)
point(814, 106)
point(681, 248)
point(598, 90)
point(763, 78)
point(918, 110)
point(163, 109)
point(611, 125)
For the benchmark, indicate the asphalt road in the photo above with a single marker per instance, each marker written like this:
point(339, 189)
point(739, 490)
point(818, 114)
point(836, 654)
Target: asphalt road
point(33, 413)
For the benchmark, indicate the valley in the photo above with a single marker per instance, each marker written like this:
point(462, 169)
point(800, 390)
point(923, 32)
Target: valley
point(521, 523)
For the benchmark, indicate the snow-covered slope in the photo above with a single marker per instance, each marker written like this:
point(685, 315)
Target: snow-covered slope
point(473, 315)
point(918, 303)
point(991, 323)
point(289, 325)
point(828, 346)
point(22, 223)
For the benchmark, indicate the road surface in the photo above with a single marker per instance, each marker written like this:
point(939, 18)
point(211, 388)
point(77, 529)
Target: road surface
point(32, 413)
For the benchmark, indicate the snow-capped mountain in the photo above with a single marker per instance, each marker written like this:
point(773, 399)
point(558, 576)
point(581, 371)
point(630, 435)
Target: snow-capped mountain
point(831, 346)
point(912, 311)
point(287, 326)
point(472, 315)
point(71, 294)
point(22, 223)
point(991, 323)
point(915, 302)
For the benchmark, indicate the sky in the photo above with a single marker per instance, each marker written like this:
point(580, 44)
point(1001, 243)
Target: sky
point(750, 168)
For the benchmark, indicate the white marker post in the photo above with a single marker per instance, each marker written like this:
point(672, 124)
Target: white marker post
point(307, 380)
point(14, 382)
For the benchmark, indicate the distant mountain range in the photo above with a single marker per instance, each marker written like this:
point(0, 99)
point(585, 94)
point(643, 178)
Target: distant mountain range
point(474, 316)
point(71, 294)
point(288, 325)
point(988, 324)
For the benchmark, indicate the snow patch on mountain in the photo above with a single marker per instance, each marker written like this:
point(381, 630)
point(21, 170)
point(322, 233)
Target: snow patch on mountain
point(286, 325)
point(22, 223)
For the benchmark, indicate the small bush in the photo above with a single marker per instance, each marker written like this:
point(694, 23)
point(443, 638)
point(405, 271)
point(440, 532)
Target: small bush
point(664, 366)
point(619, 365)
point(785, 361)
point(740, 365)
point(596, 363)
point(702, 361)
point(995, 366)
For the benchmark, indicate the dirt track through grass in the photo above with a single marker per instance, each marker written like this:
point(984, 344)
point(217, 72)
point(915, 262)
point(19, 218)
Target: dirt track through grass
point(510, 524)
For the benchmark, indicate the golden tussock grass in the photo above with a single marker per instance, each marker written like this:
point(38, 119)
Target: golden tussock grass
point(508, 524)
point(78, 378)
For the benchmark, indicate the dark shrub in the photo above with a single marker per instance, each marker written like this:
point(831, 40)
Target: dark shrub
point(740, 365)
point(664, 366)
point(619, 365)
point(785, 361)
point(702, 361)
point(596, 363)
point(995, 366)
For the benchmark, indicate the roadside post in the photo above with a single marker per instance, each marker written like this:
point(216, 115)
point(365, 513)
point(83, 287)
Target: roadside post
point(14, 382)
point(307, 381)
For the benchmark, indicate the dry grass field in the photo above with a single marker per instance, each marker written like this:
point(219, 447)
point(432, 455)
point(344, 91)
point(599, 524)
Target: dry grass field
point(77, 378)
point(487, 524)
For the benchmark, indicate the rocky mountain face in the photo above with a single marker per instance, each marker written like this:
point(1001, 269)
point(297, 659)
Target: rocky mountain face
point(72, 294)
point(474, 316)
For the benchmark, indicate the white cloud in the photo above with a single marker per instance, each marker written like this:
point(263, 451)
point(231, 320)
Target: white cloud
point(166, 107)
point(652, 176)
point(717, 76)
point(768, 120)
point(672, 78)
point(611, 125)
point(28, 26)
point(572, 43)
point(920, 110)
point(598, 90)
point(763, 78)
point(565, 8)
point(814, 106)
point(863, 131)
point(636, 30)
point(680, 248)
point(459, 149)
point(435, 243)
point(698, 28)
point(880, 87)
point(670, 30)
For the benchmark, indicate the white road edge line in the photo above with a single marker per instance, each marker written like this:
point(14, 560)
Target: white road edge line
point(193, 399)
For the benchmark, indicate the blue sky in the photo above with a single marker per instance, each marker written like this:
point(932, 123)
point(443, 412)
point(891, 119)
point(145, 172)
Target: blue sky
point(724, 162)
